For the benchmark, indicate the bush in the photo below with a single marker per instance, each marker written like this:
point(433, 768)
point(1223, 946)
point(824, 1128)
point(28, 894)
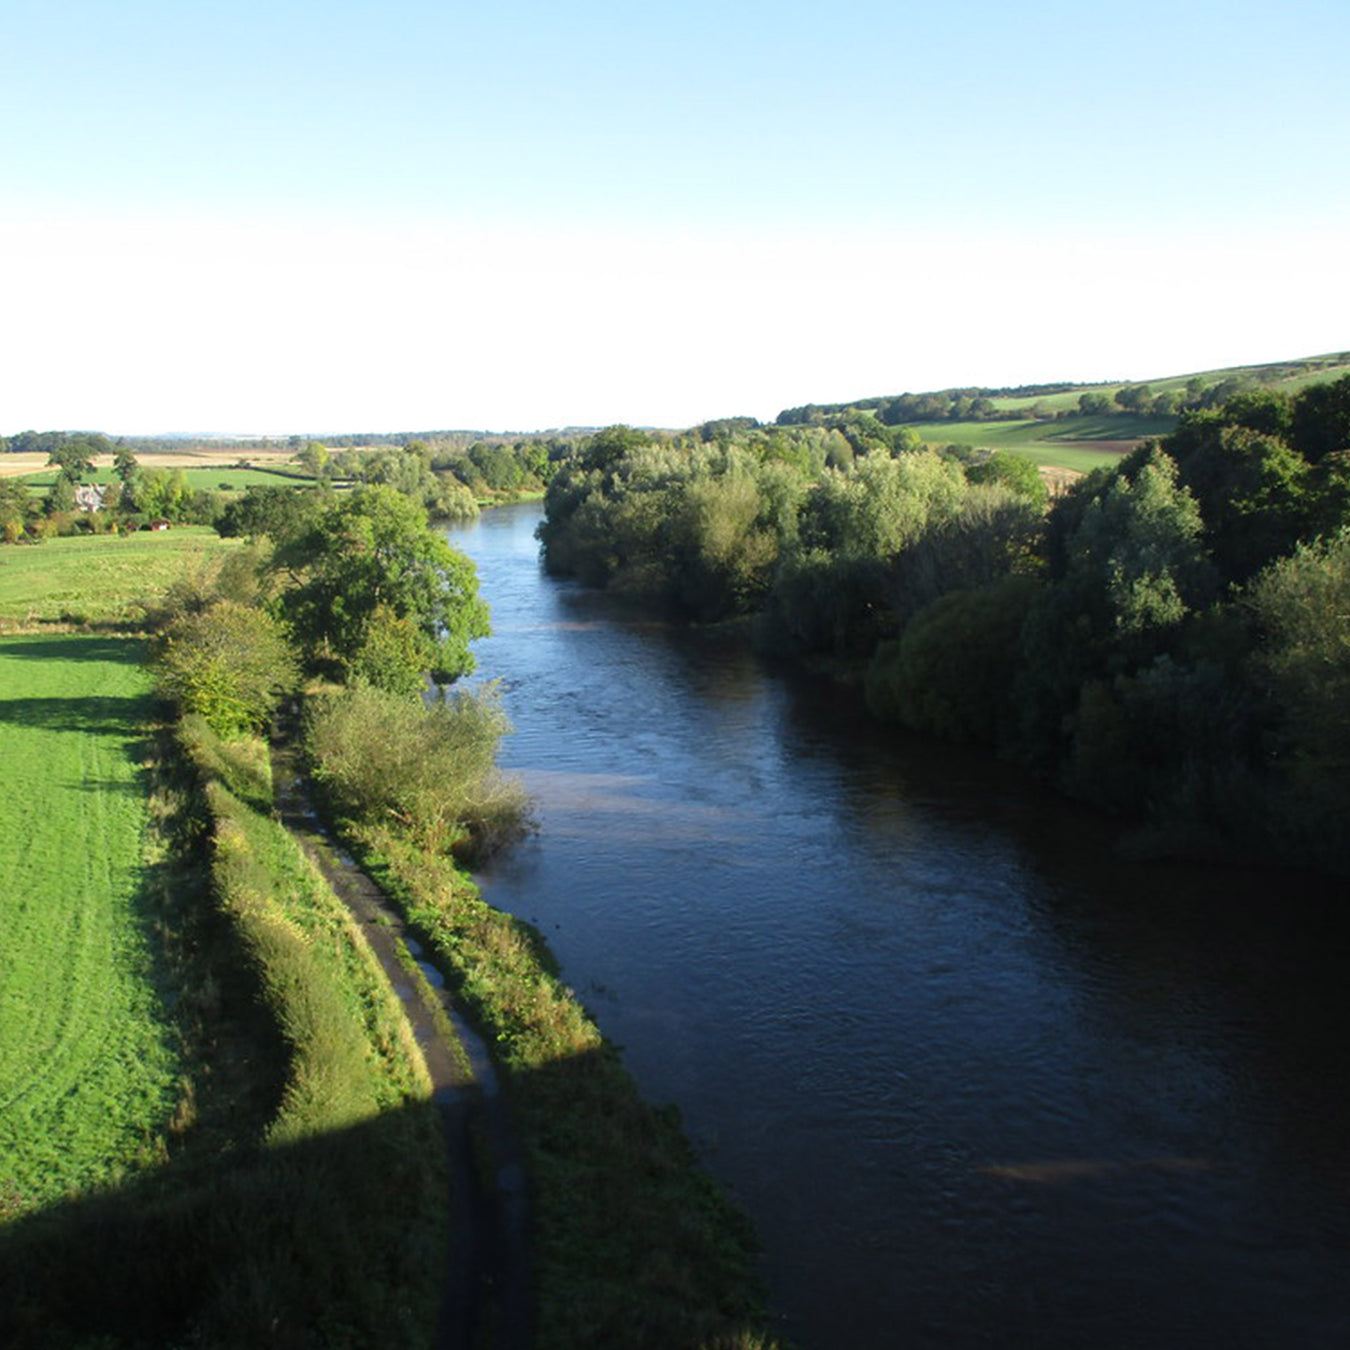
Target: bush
point(386, 757)
point(952, 672)
point(229, 662)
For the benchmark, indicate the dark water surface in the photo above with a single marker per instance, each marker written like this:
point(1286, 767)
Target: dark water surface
point(978, 1080)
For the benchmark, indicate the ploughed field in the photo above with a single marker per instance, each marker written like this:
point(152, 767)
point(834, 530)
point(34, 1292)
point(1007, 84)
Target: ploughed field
point(88, 1072)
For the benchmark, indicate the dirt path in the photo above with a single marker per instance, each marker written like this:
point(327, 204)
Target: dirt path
point(488, 1281)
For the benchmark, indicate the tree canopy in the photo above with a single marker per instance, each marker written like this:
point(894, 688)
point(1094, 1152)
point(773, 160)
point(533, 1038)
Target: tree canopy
point(369, 560)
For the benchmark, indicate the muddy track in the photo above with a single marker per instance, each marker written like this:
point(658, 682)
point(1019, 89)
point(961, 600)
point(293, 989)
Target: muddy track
point(487, 1299)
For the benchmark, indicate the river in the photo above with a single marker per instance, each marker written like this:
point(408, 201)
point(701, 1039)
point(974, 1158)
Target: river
point(977, 1077)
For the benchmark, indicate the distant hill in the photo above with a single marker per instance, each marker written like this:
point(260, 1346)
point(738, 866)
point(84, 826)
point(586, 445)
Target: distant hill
point(1164, 396)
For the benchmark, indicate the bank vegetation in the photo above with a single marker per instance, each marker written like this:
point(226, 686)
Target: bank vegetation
point(1167, 639)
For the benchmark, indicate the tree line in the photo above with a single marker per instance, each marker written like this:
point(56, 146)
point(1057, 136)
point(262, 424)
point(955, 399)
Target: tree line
point(1169, 639)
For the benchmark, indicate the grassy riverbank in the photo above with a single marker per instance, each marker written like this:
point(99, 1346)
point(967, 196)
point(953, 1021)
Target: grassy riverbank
point(634, 1244)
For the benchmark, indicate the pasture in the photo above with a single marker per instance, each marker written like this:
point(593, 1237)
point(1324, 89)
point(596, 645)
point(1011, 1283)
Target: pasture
point(1080, 444)
point(99, 578)
point(88, 1070)
point(222, 479)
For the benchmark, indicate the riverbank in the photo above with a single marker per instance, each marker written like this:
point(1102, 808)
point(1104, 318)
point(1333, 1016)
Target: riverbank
point(634, 1245)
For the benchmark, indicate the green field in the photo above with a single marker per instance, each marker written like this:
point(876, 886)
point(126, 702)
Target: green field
point(209, 480)
point(98, 578)
point(1286, 376)
point(87, 1069)
point(1071, 444)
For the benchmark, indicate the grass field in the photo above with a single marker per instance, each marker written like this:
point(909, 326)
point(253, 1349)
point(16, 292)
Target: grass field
point(1081, 444)
point(1286, 376)
point(98, 578)
point(208, 480)
point(87, 1068)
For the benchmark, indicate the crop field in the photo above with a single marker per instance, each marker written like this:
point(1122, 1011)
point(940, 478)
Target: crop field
point(1081, 444)
point(98, 578)
point(88, 1074)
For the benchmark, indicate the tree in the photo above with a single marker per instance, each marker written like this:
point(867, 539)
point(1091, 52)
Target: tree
point(1015, 472)
point(74, 457)
point(373, 550)
point(430, 768)
point(1134, 398)
point(314, 460)
point(1321, 420)
point(1301, 607)
point(278, 512)
point(229, 663)
point(125, 465)
point(15, 506)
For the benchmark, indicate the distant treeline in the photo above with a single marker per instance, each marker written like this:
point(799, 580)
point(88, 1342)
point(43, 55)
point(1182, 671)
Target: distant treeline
point(1170, 639)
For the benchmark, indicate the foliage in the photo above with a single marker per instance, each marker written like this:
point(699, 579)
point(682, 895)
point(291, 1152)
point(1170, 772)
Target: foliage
point(1301, 608)
point(1136, 672)
point(371, 552)
point(430, 768)
point(951, 673)
point(1014, 472)
point(280, 513)
point(16, 508)
point(1251, 487)
point(74, 455)
point(230, 663)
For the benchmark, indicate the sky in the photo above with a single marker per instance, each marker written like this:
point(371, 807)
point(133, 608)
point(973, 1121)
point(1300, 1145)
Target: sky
point(305, 218)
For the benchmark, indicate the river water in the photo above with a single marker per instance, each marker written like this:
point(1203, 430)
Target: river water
point(978, 1079)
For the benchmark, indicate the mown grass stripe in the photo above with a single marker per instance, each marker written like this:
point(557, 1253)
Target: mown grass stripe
point(87, 1065)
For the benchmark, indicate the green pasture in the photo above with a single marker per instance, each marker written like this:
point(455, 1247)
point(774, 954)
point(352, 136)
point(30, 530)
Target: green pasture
point(99, 578)
point(88, 1072)
point(199, 480)
point(1054, 444)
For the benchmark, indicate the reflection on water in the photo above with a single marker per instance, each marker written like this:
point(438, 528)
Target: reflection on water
point(978, 1079)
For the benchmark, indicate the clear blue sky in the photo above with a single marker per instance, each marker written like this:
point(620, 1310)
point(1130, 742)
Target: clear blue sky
point(342, 216)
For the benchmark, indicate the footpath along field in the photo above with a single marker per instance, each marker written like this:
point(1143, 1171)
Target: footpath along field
point(88, 1071)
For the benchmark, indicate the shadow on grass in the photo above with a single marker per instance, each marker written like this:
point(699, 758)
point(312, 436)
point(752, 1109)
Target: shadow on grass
point(319, 1243)
point(71, 648)
point(121, 716)
point(339, 1240)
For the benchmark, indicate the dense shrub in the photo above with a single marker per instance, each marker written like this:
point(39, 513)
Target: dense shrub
point(430, 768)
point(229, 662)
point(952, 671)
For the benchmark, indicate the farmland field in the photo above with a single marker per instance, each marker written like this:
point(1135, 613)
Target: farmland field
point(87, 1068)
point(224, 479)
point(98, 577)
point(1081, 444)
